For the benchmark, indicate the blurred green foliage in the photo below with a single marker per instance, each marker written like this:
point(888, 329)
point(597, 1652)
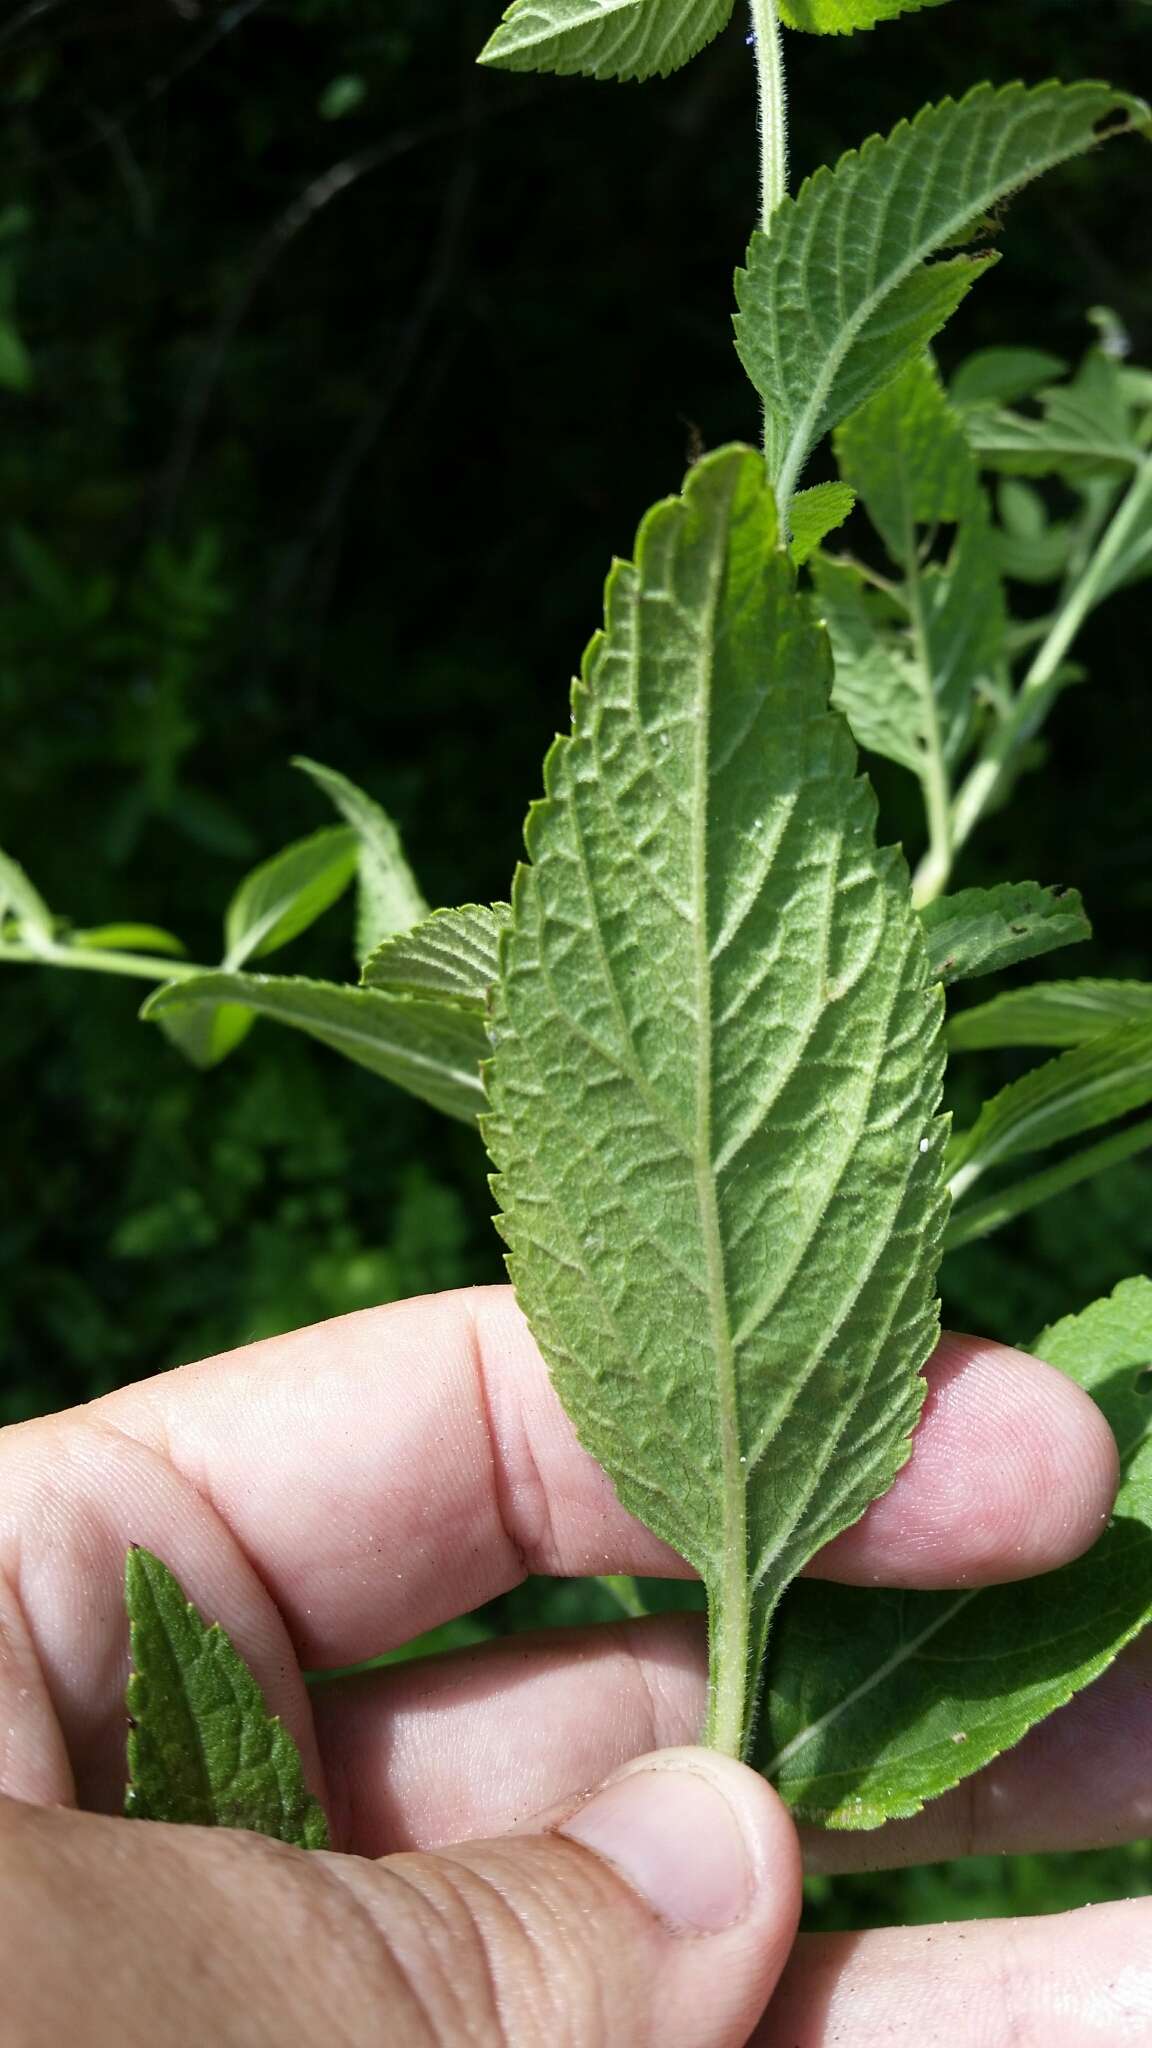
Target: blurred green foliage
point(310, 337)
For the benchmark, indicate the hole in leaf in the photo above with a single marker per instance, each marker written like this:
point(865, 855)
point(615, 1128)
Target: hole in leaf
point(1142, 1384)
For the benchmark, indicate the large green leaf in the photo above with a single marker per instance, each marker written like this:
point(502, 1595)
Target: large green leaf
point(980, 931)
point(716, 1073)
point(1051, 1013)
point(432, 1049)
point(1106, 1078)
point(286, 894)
point(203, 1749)
point(605, 38)
point(842, 17)
point(454, 955)
point(879, 1701)
point(843, 293)
point(389, 896)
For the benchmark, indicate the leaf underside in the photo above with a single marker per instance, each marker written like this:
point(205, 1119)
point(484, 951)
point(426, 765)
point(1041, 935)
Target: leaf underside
point(202, 1748)
point(1056, 1013)
point(625, 39)
point(430, 1048)
point(453, 955)
point(880, 1701)
point(980, 931)
point(844, 292)
point(716, 1065)
point(390, 899)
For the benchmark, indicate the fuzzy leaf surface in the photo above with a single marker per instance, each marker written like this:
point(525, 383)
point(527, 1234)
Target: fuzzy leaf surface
point(390, 899)
point(1051, 1013)
point(431, 1049)
point(453, 955)
point(816, 514)
point(843, 17)
point(1089, 1086)
point(979, 931)
point(880, 1701)
point(286, 894)
point(605, 38)
point(844, 292)
point(203, 1749)
point(717, 1068)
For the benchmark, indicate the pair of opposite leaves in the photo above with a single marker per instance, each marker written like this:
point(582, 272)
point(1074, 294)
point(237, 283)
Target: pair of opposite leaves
point(629, 39)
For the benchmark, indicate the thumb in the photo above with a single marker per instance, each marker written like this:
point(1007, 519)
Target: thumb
point(661, 1910)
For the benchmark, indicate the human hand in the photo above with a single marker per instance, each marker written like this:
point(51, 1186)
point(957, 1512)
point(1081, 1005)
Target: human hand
point(333, 1493)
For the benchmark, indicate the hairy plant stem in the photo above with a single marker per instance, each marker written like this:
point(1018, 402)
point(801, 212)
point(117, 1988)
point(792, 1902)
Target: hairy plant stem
point(141, 966)
point(773, 109)
point(1037, 691)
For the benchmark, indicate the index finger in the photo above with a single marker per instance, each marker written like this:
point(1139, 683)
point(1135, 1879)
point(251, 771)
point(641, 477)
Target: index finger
point(389, 1470)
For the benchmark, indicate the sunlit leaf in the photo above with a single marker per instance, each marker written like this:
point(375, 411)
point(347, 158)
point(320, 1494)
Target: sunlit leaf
point(390, 899)
point(286, 894)
point(1051, 1013)
point(979, 931)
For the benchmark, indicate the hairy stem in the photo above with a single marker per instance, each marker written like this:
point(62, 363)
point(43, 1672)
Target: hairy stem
point(773, 109)
point(1040, 685)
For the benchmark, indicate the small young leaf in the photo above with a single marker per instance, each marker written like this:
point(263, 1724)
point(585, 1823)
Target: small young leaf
point(843, 292)
point(433, 1049)
point(1051, 1013)
point(816, 514)
point(204, 1032)
point(19, 900)
point(128, 938)
point(454, 954)
point(203, 1749)
point(389, 899)
point(1106, 1078)
point(979, 931)
point(842, 17)
point(286, 894)
point(1003, 376)
point(880, 1701)
point(605, 38)
point(716, 1073)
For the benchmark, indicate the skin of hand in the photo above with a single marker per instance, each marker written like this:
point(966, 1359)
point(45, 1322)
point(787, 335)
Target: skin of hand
point(526, 1852)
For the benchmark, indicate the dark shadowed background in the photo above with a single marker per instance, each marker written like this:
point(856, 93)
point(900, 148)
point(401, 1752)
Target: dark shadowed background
point(332, 373)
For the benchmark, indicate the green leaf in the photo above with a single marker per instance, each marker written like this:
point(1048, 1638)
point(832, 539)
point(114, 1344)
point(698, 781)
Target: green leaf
point(880, 1701)
point(979, 1219)
point(907, 456)
point(431, 1049)
point(1031, 547)
point(453, 955)
point(979, 931)
point(1003, 376)
point(286, 894)
point(19, 900)
point(874, 685)
point(843, 294)
point(202, 1746)
point(390, 899)
point(1083, 429)
point(204, 1032)
point(842, 17)
point(16, 372)
point(716, 1073)
point(1051, 1013)
point(128, 938)
point(816, 514)
point(605, 38)
point(1106, 1078)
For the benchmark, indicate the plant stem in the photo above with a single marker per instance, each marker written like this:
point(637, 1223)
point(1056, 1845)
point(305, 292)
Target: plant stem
point(934, 778)
point(1038, 688)
point(773, 109)
point(141, 966)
